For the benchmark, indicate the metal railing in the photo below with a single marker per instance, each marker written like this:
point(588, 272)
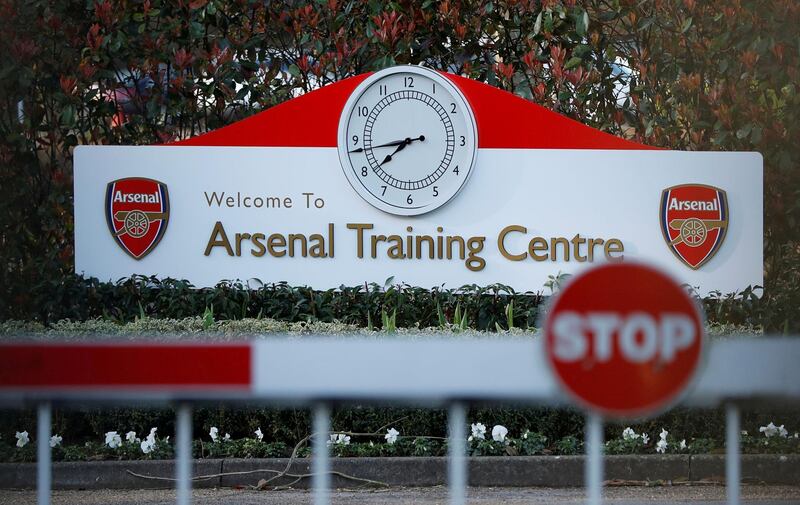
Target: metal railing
point(317, 372)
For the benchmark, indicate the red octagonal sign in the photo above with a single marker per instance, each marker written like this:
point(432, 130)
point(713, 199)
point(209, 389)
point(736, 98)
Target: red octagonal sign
point(624, 339)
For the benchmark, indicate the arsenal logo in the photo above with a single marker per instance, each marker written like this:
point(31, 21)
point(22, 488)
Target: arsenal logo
point(694, 220)
point(137, 212)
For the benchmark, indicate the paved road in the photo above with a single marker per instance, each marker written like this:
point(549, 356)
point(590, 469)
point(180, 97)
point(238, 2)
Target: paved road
point(698, 494)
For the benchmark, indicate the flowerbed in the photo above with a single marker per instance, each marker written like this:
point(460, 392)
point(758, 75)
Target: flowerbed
point(770, 439)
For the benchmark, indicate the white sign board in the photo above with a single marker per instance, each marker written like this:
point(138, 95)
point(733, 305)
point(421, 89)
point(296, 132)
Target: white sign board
point(290, 214)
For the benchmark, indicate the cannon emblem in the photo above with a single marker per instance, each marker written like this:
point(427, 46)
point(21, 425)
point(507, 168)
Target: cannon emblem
point(694, 221)
point(137, 212)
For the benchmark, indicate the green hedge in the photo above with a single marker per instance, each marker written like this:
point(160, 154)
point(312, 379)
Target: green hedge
point(370, 305)
point(80, 299)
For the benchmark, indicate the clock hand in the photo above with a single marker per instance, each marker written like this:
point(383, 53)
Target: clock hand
point(391, 144)
point(400, 148)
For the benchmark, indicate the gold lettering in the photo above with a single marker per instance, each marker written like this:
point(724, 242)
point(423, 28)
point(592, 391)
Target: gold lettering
point(535, 245)
point(474, 262)
point(375, 240)
point(614, 246)
point(317, 249)
point(429, 240)
point(330, 239)
point(501, 242)
point(360, 227)
point(553, 253)
point(593, 242)
point(275, 244)
point(293, 237)
point(455, 239)
point(261, 250)
point(222, 241)
point(239, 238)
point(396, 250)
point(576, 247)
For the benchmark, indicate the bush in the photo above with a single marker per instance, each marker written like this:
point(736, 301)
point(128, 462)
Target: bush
point(680, 74)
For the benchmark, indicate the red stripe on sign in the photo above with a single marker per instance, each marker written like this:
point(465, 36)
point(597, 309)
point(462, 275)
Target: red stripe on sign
point(60, 365)
point(504, 121)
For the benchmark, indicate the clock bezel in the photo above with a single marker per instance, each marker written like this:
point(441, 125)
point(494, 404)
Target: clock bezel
point(344, 120)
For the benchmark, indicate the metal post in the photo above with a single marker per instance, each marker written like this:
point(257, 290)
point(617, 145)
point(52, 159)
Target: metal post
point(733, 462)
point(183, 454)
point(594, 460)
point(320, 459)
point(457, 466)
point(43, 467)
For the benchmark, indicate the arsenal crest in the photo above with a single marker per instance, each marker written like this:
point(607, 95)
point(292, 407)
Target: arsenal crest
point(694, 221)
point(137, 212)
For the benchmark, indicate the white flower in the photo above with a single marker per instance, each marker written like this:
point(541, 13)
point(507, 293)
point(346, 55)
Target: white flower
point(479, 431)
point(391, 435)
point(663, 434)
point(259, 434)
point(213, 433)
point(55, 440)
point(782, 432)
point(130, 437)
point(645, 439)
point(683, 444)
point(469, 438)
point(769, 430)
point(525, 435)
point(22, 438)
point(499, 433)
point(744, 432)
point(227, 437)
point(661, 446)
point(797, 435)
point(339, 439)
point(629, 434)
point(113, 440)
point(149, 443)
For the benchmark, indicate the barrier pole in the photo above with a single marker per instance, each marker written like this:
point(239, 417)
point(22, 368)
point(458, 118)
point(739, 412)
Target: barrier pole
point(593, 471)
point(183, 454)
point(457, 464)
point(320, 459)
point(44, 468)
point(733, 460)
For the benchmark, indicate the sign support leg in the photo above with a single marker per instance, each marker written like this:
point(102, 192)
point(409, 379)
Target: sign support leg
point(43, 454)
point(320, 458)
point(733, 460)
point(594, 460)
point(457, 464)
point(183, 454)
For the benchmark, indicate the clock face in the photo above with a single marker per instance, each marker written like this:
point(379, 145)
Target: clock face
point(407, 140)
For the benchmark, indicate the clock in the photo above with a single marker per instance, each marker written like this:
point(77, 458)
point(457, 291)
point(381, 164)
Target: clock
point(407, 140)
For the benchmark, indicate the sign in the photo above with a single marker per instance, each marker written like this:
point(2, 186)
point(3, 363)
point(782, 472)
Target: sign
point(137, 213)
point(624, 340)
point(429, 178)
point(694, 219)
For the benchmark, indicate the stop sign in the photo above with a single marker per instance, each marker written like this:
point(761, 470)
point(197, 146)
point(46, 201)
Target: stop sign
point(624, 339)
